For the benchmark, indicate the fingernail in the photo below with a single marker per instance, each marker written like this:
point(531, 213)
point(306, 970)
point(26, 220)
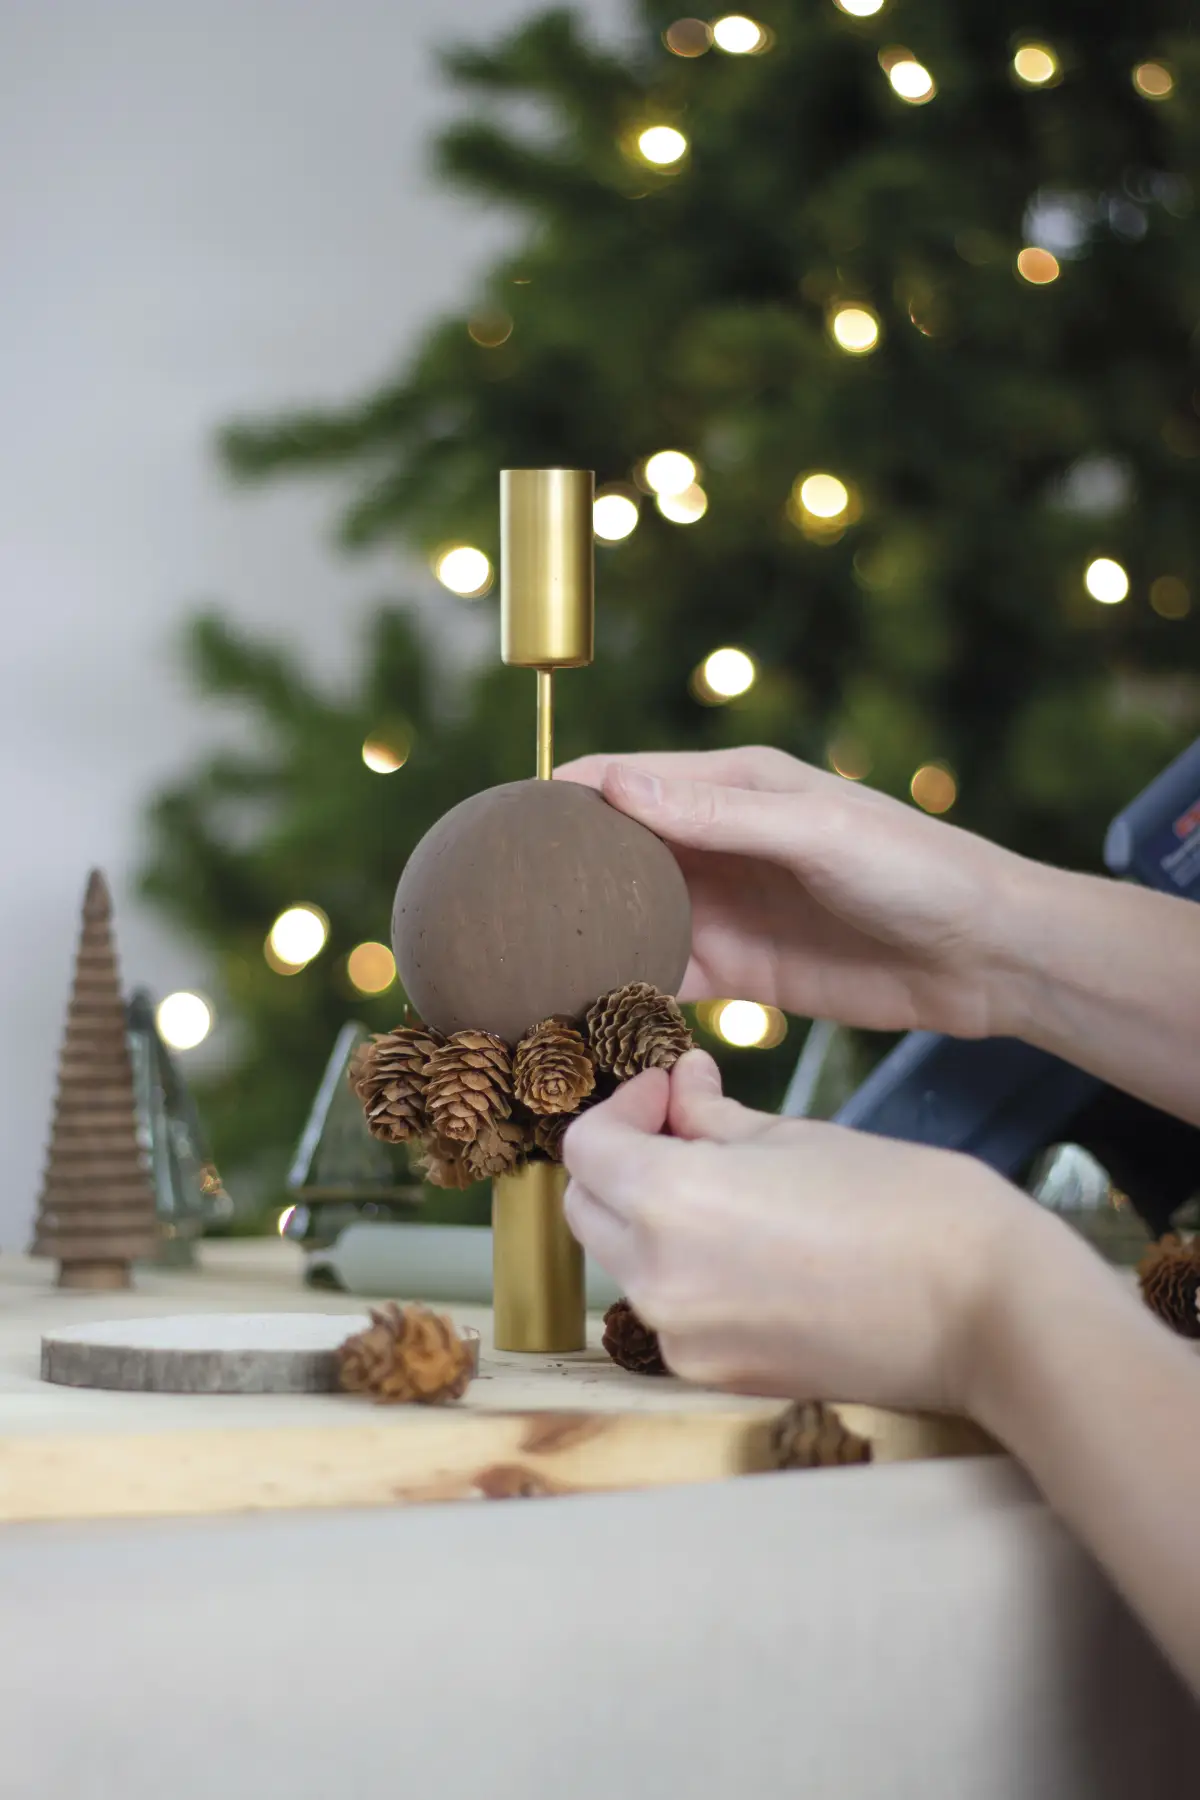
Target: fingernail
point(643, 789)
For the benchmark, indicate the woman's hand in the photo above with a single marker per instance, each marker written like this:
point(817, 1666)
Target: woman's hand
point(822, 897)
point(792, 1258)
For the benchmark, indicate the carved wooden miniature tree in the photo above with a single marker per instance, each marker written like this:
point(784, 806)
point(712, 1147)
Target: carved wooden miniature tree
point(97, 1212)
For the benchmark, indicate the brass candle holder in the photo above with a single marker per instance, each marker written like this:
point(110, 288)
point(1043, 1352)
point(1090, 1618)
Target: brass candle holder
point(547, 611)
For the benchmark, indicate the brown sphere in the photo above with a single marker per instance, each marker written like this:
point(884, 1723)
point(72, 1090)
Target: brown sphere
point(531, 900)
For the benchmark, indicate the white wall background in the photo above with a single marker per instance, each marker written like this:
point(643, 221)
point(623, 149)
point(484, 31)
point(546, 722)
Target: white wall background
point(208, 207)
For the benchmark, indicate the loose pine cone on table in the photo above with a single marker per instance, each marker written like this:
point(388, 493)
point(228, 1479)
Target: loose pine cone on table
point(809, 1435)
point(388, 1075)
point(1169, 1276)
point(407, 1354)
point(632, 1343)
point(468, 1085)
point(553, 1070)
point(635, 1028)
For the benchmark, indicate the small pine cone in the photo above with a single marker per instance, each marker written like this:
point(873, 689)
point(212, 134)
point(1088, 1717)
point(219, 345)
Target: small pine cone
point(635, 1028)
point(407, 1353)
point(553, 1069)
point(549, 1133)
point(497, 1150)
point(809, 1435)
point(388, 1075)
point(632, 1343)
point(443, 1164)
point(1169, 1275)
point(469, 1085)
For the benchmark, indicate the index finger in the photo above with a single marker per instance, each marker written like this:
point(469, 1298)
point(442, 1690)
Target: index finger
point(614, 1150)
point(758, 768)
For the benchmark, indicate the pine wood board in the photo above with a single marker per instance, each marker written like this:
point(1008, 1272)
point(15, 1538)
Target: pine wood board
point(528, 1426)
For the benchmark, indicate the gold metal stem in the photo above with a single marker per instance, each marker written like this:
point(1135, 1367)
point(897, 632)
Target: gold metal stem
point(537, 1266)
point(545, 724)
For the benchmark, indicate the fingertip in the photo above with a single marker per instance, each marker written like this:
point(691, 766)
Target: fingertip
point(697, 1070)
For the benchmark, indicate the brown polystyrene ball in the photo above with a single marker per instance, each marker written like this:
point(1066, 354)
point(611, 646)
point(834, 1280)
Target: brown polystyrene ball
point(531, 900)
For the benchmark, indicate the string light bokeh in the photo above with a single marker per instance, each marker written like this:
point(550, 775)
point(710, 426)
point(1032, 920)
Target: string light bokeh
point(371, 968)
point(1036, 65)
point(855, 329)
point(934, 788)
point(662, 145)
point(668, 472)
point(614, 516)
point(298, 935)
point(1106, 581)
point(1037, 266)
point(184, 1020)
point(383, 756)
point(466, 571)
point(738, 36)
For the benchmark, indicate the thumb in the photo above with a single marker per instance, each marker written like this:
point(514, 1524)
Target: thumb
point(703, 815)
point(698, 1108)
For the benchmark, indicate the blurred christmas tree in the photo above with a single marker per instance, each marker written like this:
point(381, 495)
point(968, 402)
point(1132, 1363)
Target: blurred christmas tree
point(912, 291)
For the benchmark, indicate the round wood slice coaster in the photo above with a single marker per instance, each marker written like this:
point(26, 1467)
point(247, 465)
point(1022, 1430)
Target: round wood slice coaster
point(210, 1353)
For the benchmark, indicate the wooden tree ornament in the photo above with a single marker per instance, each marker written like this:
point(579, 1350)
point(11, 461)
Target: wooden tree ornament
point(96, 1213)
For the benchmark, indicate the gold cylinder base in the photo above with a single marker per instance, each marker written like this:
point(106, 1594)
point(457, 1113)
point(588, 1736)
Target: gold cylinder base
point(537, 1266)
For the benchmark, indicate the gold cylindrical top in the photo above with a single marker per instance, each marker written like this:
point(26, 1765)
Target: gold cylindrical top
point(546, 567)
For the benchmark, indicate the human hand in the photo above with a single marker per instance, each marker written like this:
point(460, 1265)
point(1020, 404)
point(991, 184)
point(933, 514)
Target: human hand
point(824, 897)
point(788, 1257)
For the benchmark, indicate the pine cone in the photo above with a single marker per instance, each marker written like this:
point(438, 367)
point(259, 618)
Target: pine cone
point(388, 1075)
point(549, 1133)
point(497, 1150)
point(444, 1164)
point(469, 1085)
point(1169, 1275)
point(635, 1028)
point(553, 1069)
point(630, 1342)
point(407, 1353)
point(809, 1435)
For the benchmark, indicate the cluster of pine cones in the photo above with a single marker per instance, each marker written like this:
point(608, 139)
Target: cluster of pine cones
point(479, 1107)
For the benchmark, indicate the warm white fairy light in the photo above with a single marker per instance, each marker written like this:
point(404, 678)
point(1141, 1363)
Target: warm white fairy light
point(854, 329)
point(1106, 581)
point(1153, 81)
point(669, 472)
point(614, 516)
point(860, 9)
point(728, 672)
point(184, 1020)
point(746, 1025)
point(823, 496)
point(371, 968)
point(738, 36)
point(911, 81)
point(934, 788)
point(1038, 267)
point(298, 935)
point(662, 145)
point(464, 570)
point(684, 508)
point(384, 757)
point(1035, 64)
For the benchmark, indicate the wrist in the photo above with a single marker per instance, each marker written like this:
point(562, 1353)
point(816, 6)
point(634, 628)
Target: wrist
point(1037, 1281)
point(1019, 962)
